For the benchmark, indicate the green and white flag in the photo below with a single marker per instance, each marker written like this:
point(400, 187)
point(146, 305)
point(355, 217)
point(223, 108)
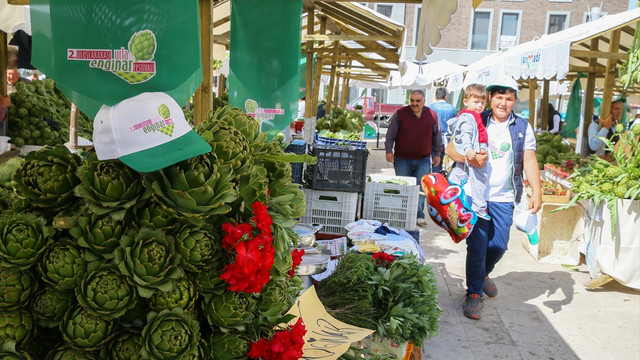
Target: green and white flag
point(102, 52)
point(265, 56)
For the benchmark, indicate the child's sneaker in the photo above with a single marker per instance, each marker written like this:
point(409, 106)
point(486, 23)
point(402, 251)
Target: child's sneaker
point(483, 215)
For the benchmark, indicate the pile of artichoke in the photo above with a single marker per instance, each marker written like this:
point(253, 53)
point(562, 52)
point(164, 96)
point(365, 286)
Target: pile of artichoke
point(98, 261)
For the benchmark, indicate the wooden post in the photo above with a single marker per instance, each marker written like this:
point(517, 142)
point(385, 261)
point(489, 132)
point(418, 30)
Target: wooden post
point(544, 107)
point(319, 64)
point(332, 80)
point(588, 104)
point(533, 84)
point(3, 63)
point(308, 78)
point(610, 75)
point(344, 95)
point(203, 98)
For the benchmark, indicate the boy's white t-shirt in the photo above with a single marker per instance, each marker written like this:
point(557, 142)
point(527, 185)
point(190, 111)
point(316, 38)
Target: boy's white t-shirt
point(500, 160)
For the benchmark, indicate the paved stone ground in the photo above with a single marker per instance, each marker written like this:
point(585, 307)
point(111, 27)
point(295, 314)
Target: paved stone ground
point(543, 311)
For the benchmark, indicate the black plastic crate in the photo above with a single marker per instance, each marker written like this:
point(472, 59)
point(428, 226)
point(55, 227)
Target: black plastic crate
point(296, 172)
point(339, 168)
point(297, 147)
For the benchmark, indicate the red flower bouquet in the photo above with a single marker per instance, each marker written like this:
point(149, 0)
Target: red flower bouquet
point(284, 344)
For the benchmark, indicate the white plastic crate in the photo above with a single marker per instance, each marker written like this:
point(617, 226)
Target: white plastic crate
point(332, 209)
point(389, 203)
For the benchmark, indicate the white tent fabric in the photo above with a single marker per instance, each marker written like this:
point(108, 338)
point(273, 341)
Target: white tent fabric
point(434, 16)
point(14, 18)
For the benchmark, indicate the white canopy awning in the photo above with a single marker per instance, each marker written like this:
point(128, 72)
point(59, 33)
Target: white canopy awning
point(556, 55)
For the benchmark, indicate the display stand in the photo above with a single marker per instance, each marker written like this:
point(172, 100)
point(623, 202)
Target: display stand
point(616, 257)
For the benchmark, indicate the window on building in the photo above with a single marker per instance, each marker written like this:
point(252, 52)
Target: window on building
point(480, 30)
point(385, 10)
point(509, 29)
point(557, 21)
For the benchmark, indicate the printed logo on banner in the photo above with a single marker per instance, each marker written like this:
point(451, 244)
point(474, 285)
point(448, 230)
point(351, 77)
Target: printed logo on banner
point(531, 61)
point(252, 108)
point(134, 65)
point(161, 122)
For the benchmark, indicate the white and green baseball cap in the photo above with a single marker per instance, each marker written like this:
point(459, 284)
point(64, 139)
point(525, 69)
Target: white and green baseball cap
point(147, 132)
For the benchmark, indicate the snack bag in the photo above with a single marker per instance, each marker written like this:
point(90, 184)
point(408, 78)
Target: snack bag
point(448, 207)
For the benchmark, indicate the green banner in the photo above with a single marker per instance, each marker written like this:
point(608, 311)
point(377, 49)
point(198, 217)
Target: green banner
point(572, 119)
point(264, 64)
point(102, 52)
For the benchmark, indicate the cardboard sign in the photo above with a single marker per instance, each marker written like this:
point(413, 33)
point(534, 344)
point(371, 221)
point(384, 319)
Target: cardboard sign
point(326, 338)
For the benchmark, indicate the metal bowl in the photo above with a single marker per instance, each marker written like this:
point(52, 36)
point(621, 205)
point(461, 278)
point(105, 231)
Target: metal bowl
point(312, 264)
point(306, 234)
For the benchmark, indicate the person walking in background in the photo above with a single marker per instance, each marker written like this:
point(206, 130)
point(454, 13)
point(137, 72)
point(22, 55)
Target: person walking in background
point(413, 137)
point(554, 125)
point(13, 77)
point(470, 138)
point(445, 112)
point(512, 149)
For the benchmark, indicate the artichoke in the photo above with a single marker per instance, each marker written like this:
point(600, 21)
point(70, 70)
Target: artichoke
point(99, 233)
point(170, 334)
point(84, 330)
point(182, 296)
point(142, 45)
point(248, 126)
point(195, 188)
point(104, 292)
point(152, 215)
point(208, 281)
point(229, 145)
point(196, 246)
point(16, 287)
point(7, 169)
point(47, 178)
point(163, 110)
point(228, 346)
point(230, 310)
point(23, 238)
point(9, 352)
point(62, 265)
point(127, 345)
point(109, 186)
point(69, 353)
point(16, 326)
point(50, 304)
point(149, 259)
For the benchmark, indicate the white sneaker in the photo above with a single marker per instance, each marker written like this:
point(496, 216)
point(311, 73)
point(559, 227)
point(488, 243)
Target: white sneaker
point(421, 222)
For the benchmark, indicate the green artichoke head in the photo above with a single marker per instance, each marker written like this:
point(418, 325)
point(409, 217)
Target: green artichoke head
point(105, 292)
point(197, 246)
point(8, 352)
point(229, 145)
point(170, 334)
point(148, 258)
point(183, 295)
point(84, 330)
point(152, 215)
point(48, 177)
point(230, 310)
point(207, 280)
point(228, 346)
point(50, 304)
point(16, 287)
point(66, 352)
point(100, 234)
point(16, 326)
point(62, 265)
point(195, 188)
point(127, 345)
point(23, 239)
point(109, 186)
point(142, 45)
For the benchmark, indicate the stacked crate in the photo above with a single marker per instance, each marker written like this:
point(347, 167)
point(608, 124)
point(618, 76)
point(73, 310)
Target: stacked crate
point(335, 184)
point(394, 204)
